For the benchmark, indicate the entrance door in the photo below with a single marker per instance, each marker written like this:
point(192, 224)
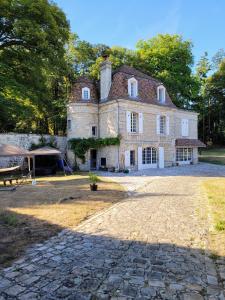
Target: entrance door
point(93, 159)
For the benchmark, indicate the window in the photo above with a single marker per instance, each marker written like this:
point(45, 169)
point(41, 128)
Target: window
point(133, 122)
point(162, 125)
point(85, 93)
point(94, 130)
point(132, 87)
point(184, 154)
point(103, 162)
point(132, 158)
point(149, 156)
point(161, 94)
point(69, 124)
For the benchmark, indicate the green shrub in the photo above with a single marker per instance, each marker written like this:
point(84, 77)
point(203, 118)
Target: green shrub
point(81, 146)
point(93, 178)
point(220, 226)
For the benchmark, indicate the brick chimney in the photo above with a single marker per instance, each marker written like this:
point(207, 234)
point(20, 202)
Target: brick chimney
point(105, 78)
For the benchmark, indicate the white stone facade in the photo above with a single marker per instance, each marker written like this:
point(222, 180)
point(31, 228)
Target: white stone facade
point(110, 118)
point(148, 131)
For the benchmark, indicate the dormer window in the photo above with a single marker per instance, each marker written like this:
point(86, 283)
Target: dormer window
point(161, 94)
point(132, 87)
point(85, 93)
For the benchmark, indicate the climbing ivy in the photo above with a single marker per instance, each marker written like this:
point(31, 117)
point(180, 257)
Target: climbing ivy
point(81, 146)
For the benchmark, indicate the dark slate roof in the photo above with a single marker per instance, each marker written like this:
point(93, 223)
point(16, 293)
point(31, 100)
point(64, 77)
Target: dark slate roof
point(189, 143)
point(85, 79)
point(132, 71)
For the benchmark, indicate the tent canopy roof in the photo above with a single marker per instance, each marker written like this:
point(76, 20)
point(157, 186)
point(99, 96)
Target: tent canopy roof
point(7, 150)
point(45, 151)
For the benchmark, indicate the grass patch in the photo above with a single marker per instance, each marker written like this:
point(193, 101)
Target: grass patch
point(215, 189)
point(34, 213)
point(213, 155)
point(220, 225)
point(8, 219)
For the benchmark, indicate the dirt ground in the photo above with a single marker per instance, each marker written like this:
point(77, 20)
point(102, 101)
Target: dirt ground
point(32, 214)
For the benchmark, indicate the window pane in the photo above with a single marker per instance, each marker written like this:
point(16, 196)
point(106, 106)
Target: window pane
point(69, 124)
point(133, 120)
point(149, 156)
point(183, 154)
point(94, 130)
point(161, 94)
point(162, 124)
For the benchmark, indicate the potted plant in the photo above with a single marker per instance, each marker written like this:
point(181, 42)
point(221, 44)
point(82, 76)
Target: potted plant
point(94, 179)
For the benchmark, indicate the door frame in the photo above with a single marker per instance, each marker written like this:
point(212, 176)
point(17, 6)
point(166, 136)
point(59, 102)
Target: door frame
point(93, 159)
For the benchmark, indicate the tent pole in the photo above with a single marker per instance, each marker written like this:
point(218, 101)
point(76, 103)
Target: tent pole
point(29, 163)
point(34, 167)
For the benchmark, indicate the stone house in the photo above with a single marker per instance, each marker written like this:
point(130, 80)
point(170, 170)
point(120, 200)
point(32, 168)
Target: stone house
point(154, 132)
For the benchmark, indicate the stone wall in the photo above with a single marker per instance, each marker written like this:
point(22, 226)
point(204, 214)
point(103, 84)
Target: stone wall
point(25, 141)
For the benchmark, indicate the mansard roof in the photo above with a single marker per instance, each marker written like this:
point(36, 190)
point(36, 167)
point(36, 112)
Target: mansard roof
point(147, 87)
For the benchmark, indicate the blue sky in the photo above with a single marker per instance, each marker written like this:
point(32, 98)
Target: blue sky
point(124, 22)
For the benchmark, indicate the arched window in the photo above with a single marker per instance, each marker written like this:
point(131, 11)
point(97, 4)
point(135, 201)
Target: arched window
point(85, 93)
point(132, 87)
point(149, 156)
point(161, 94)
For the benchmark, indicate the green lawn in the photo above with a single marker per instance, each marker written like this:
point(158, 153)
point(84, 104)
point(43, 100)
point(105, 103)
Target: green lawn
point(215, 189)
point(213, 155)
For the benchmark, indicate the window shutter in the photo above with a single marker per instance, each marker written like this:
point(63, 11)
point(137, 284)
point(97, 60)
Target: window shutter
point(158, 124)
point(139, 158)
point(184, 127)
point(161, 157)
point(167, 125)
point(140, 115)
point(127, 159)
point(128, 117)
point(187, 127)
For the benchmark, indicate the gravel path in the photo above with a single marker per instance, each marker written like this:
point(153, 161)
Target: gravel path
point(150, 246)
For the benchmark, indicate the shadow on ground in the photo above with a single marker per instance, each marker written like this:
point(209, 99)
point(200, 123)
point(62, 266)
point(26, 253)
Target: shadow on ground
point(76, 265)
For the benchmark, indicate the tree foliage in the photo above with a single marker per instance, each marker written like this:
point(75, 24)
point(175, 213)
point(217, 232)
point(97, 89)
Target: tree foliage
point(40, 58)
point(33, 68)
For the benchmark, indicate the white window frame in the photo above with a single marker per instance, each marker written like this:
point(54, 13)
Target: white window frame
point(163, 100)
point(132, 87)
point(149, 156)
point(184, 155)
point(133, 122)
point(162, 125)
point(84, 91)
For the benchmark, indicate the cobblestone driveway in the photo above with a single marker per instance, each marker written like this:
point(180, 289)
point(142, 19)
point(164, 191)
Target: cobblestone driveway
point(150, 246)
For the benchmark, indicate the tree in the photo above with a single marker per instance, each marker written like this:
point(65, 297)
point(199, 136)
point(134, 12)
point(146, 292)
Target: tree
point(202, 101)
point(169, 58)
point(118, 56)
point(217, 59)
point(215, 90)
point(33, 68)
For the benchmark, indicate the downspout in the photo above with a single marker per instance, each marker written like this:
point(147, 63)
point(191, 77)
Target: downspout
point(98, 137)
point(118, 128)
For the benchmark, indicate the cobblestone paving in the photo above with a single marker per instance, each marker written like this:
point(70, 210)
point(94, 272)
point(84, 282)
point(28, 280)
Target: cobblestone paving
point(150, 246)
